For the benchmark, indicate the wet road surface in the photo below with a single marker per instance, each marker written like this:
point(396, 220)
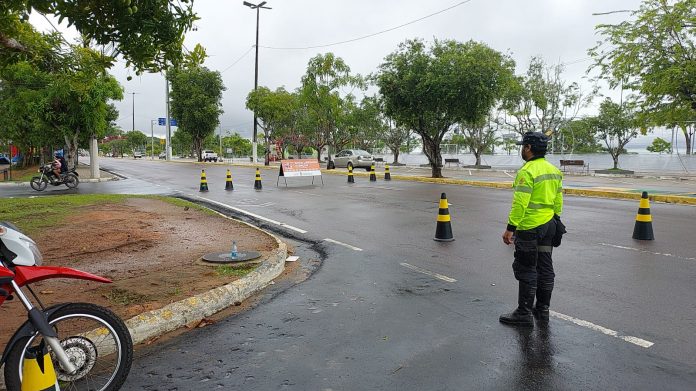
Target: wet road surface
point(380, 315)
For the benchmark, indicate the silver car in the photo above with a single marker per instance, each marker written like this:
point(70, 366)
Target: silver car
point(354, 158)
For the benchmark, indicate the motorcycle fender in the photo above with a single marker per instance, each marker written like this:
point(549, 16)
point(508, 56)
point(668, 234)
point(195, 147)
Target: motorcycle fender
point(28, 274)
point(27, 330)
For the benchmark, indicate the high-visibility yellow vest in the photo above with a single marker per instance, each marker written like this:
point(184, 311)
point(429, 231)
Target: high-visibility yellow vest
point(538, 195)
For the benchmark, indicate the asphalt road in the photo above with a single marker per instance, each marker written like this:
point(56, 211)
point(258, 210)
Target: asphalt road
point(392, 309)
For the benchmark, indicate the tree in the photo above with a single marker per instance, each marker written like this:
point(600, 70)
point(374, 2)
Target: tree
point(578, 136)
point(326, 75)
point(430, 90)
point(239, 145)
point(542, 101)
point(182, 142)
point(615, 125)
point(196, 102)
point(479, 137)
point(147, 34)
point(273, 109)
point(659, 145)
point(137, 140)
point(653, 54)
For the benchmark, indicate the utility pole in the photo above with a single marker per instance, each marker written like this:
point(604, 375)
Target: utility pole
point(257, 7)
point(166, 120)
point(152, 139)
point(133, 94)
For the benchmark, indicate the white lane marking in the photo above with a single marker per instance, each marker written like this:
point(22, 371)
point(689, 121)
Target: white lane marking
point(343, 244)
point(427, 272)
point(255, 215)
point(506, 173)
point(647, 252)
point(634, 340)
point(470, 173)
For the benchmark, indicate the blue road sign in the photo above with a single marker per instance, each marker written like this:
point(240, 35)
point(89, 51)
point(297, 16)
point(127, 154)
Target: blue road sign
point(160, 122)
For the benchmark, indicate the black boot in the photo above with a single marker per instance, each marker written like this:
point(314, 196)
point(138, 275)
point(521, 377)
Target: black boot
point(541, 309)
point(522, 316)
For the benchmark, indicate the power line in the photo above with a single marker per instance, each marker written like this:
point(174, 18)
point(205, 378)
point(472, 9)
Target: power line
point(369, 35)
point(239, 59)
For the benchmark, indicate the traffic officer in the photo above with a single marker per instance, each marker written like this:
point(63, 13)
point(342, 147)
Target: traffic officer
point(534, 217)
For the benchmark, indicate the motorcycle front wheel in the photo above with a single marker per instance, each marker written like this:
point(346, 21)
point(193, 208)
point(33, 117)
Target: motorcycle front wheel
point(71, 181)
point(97, 342)
point(38, 184)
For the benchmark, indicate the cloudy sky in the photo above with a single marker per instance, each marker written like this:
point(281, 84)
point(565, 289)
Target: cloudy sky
point(557, 30)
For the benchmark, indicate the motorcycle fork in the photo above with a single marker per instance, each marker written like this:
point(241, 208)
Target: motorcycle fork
point(40, 322)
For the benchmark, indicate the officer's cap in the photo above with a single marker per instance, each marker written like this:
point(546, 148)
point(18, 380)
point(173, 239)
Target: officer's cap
point(535, 139)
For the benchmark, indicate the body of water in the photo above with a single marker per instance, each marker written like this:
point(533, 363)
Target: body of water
point(636, 162)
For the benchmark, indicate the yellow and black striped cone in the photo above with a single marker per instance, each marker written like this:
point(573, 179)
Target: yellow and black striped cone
point(350, 175)
point(387, 175)
point(228, 181)
point(373, 177)
point(443, 232)
point(38, 373)
point(204, 182)
point(257, 182)
point(643, 229)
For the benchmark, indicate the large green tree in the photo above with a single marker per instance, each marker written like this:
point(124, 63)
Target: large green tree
point(654, 54)
point(616, 125)
point(431, 89)
point(64, 103)
point(273, 109)
point(147, 34)
point(542, 101)
point(321, 86)
point(196, 102)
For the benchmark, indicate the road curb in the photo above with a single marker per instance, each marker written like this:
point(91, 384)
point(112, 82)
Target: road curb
point(666, 198)
point(158, 322)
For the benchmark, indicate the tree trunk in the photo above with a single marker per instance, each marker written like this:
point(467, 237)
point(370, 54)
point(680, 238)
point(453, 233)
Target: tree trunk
point(432, 152)
point(72, 150)
point(616, 162)
point(478, 158)
point(396, 156)
point(267, 141)
point(688, 136)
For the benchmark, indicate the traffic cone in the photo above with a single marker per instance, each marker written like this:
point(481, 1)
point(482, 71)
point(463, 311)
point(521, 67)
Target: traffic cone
point(350, 175)
point(204, 182)
point(38, 373)
point(257, 182)
point(443, 232)
point(387, 175)
point(643, 229)
point(373, 177)
point(228, 181)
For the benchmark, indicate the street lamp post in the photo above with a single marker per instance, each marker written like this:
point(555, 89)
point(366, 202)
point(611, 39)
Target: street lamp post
point(152, 139)
point(257, 7)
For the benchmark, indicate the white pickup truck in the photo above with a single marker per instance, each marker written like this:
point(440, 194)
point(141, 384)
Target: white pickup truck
point(209, 156)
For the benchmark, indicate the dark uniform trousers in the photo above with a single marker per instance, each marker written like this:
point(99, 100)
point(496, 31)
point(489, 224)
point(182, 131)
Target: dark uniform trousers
point(533, 264)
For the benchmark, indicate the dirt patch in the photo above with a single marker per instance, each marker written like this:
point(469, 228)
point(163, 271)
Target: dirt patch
point(146, 246)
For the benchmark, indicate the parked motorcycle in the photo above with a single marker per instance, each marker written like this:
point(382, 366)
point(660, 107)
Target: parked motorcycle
point(89, 347)
point(69, 179)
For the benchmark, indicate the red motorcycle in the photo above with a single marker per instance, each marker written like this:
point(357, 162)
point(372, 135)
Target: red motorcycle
point(88, 346)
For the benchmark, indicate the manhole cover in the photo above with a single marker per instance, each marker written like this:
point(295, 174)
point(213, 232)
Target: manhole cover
point(225, 258)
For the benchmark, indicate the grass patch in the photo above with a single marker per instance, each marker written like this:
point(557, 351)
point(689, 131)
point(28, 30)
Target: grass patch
point(184, 203)
point(23, 174)
point(227, 270)
point(124, 297)
point(33, 214)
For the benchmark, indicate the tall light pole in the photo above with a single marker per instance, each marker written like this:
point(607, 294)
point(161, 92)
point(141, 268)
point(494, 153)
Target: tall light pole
point(152, 139)
point(257, 7)
point(133, 94)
